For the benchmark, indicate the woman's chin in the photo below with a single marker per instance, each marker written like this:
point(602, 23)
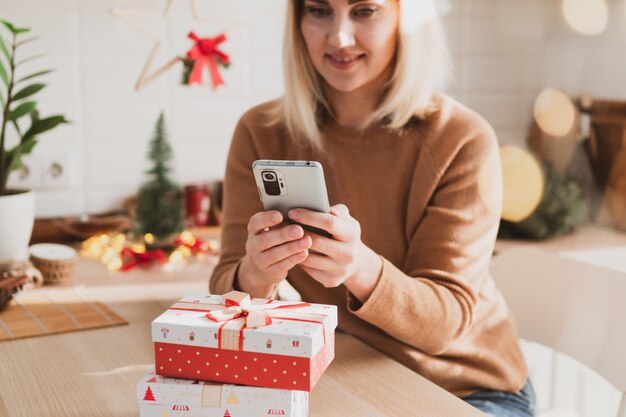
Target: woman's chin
point(345, 87)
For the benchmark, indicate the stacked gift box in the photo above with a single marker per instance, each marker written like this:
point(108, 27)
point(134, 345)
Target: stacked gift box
point(234, 356)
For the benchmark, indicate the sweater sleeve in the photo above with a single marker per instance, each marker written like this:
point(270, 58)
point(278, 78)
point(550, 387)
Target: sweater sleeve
point(430, 301)
point(240, 202)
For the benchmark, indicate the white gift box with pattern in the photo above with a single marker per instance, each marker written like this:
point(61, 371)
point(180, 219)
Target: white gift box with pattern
point(213, 338)
point(160, 396)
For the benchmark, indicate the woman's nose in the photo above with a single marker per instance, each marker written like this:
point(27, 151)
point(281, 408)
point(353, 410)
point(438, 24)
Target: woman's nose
point(341, 33)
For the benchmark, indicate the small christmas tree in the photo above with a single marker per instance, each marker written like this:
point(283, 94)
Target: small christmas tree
point(149, 396)
point(159, 208)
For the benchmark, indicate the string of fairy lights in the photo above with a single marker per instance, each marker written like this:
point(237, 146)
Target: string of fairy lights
point(118, 252)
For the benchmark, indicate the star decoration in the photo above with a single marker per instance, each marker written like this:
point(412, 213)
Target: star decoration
point(148, 74)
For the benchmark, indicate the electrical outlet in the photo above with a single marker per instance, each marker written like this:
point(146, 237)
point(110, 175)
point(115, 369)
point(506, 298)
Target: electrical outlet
point(28, 176)
point(57, 170)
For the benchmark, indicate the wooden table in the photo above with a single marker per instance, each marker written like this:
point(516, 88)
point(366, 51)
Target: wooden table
point(94, 373)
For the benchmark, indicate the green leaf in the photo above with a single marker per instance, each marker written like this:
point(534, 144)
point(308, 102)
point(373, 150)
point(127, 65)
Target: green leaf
point(4, 75)
point(14, 156)
point(8, 25)
point(17, 128)
point(14, 30)
point(27, 40)
point(4, 49)
point(28, 91)
point(37, 74)
point(30, 58)
point(43, 125)
point(22, 109)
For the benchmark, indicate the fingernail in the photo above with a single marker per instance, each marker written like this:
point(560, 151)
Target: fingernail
point(296, 231)
point(275, 217)
point(304, 243)
point(294, 214)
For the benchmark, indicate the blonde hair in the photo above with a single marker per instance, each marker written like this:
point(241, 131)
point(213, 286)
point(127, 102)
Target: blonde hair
point(421, 66)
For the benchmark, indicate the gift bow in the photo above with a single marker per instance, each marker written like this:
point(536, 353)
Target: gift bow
point(238, 312)
point(131, 258)
point(238, 304)
point(205, 53)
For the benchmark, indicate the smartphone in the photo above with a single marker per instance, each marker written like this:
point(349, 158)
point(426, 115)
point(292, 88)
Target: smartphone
point(285, 185)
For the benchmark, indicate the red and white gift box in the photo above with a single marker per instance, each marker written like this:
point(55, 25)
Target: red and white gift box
point(233, 339)
point(159, 396)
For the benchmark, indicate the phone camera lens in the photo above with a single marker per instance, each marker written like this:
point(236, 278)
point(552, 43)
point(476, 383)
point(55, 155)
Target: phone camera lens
point(270, 182)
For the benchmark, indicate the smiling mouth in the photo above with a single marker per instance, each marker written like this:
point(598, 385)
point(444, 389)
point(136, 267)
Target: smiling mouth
point(344, 62)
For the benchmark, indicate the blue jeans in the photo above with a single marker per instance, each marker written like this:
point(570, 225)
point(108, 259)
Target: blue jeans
point(505, 404)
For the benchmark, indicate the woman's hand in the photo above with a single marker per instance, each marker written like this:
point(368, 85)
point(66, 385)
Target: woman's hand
point(272, 250)
point(342, 258)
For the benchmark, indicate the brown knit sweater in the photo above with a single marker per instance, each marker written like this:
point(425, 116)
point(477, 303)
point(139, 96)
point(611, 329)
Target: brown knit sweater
point(428, 201)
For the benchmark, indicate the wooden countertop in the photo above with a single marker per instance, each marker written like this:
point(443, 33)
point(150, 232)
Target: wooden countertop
point(95, 372)
point(587, 237)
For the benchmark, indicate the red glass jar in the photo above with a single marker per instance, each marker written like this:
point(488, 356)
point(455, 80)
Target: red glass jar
point(197, 205)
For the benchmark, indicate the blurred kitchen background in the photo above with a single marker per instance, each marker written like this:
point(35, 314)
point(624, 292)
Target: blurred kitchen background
point(504, 52)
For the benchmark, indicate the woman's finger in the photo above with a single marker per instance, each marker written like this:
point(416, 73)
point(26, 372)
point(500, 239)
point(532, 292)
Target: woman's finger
point(338, 227)
point(263, 220)
point(275, 237)
point(319, 262)
point(279, 253)
point(288, 263)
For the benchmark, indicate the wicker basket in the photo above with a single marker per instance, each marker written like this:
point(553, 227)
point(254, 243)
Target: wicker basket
point(56, 262)
point(11, 283)
point(15, 276)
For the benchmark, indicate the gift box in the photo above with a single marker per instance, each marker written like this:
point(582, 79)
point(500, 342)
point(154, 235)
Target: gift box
point(233, 339)
point(161, 396)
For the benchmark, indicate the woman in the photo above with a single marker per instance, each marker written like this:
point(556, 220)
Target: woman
point(415, 182)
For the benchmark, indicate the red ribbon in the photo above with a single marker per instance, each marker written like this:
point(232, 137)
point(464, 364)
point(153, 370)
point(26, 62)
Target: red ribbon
point(131, 258)
point(236, 309)
point(239, 304)
point(205, 53)
point(198, 246)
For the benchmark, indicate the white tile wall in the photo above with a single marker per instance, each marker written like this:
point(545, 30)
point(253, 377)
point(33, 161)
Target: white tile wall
point(504, 52)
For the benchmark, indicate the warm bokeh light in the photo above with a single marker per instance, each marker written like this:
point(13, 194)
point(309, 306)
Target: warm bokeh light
point(188, 238)
point(149, 238)
point(138, 247)
point(554, 112)
point(117, 252)
point(118, 241)
point(523, 183)
point(588, 17)
point(176, 257)
point(114, 264)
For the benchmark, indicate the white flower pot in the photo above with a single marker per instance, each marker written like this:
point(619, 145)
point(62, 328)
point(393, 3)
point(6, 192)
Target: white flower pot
point(17, 216)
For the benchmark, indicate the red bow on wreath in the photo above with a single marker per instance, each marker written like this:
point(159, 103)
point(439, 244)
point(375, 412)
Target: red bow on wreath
point(131, 259)
point(205, 53)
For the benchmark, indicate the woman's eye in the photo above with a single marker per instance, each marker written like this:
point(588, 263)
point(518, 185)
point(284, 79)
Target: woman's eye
point(318, 11)
point(365, 12)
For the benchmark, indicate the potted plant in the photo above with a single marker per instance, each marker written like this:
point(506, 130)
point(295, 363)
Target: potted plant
point(19, 114)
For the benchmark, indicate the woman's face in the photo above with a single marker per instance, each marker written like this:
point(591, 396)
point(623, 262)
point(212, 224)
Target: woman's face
point(351, 42)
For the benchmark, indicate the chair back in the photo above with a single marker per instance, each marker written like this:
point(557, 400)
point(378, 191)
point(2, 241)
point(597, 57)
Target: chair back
point(570, 306)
